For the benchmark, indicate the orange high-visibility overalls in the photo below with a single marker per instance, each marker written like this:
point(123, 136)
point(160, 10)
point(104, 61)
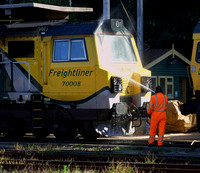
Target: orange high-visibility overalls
point(157, 108)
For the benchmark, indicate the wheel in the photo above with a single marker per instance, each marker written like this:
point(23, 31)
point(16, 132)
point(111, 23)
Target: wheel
point(14, 134)
point(15, 128)
point(64, 135)
point(41, 134)
point(88, 130)
point(92, 135)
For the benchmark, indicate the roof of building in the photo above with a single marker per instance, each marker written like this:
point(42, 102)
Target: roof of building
point(154, 56)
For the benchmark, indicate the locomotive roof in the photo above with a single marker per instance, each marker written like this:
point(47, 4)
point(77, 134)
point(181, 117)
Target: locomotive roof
point(197, 28)
point(55, 28)
point(51, 28)
point(36, 11)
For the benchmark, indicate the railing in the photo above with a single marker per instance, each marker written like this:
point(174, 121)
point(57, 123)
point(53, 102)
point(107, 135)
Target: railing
point(11, 63)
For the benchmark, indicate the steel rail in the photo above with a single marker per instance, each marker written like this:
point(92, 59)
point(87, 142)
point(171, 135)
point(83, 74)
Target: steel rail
point(107, 142)
point(102, 156)
point(98, 165)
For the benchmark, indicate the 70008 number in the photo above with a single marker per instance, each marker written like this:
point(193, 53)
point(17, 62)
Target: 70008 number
point(71, 83)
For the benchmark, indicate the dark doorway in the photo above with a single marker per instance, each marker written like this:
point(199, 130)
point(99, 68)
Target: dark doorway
point(183, 89)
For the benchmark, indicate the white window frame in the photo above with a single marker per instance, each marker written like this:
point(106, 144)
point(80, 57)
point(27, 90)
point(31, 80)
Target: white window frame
point(167, 84)
point(68, 59)
point(60, 60)
point(84, 50)
point(156, 83)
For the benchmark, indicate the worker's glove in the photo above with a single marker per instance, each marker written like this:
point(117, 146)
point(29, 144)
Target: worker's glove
point(149, 115)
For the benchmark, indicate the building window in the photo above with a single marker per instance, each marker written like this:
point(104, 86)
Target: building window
point(69, 50)
point(21, 49)
point(166, 82)
point(154, 82)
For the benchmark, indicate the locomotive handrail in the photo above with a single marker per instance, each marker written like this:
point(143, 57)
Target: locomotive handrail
point(29, 77)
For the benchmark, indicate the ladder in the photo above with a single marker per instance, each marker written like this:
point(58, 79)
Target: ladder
point(37, 111)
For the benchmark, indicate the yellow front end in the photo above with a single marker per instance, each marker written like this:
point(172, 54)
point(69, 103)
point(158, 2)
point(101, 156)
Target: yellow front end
point(125, 64)
point(195, 62)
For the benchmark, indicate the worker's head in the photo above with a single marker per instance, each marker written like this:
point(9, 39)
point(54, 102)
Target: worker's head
point(159, 89)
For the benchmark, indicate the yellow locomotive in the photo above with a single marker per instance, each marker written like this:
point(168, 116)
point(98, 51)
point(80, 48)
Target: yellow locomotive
point(60, 77)
point(194, 105)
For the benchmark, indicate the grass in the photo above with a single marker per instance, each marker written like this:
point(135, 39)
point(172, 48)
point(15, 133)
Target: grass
point(120, 167)
point(35, 147)
point(150, 158)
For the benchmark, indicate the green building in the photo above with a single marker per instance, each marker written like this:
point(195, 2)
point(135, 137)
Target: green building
point(170, 70)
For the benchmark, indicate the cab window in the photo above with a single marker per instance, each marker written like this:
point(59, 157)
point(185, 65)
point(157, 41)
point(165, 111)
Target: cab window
point(21, 49)
point(69, 50)
point(198, 53)
point(118, 47)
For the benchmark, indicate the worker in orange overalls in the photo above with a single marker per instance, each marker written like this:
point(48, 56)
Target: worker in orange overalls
point(157, 112)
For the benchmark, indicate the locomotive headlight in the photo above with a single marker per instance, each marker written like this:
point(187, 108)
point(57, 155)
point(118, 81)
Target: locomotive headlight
point(116, 84)
point(116, 24)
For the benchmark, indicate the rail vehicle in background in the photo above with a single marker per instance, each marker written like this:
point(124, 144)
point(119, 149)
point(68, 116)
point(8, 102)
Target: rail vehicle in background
point(63, 78)
point(194, 105)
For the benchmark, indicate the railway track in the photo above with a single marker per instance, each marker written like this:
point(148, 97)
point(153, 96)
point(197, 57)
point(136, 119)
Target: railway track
point(29, 153)
point(99, 155)
point(100, 165)
point(99, 141)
